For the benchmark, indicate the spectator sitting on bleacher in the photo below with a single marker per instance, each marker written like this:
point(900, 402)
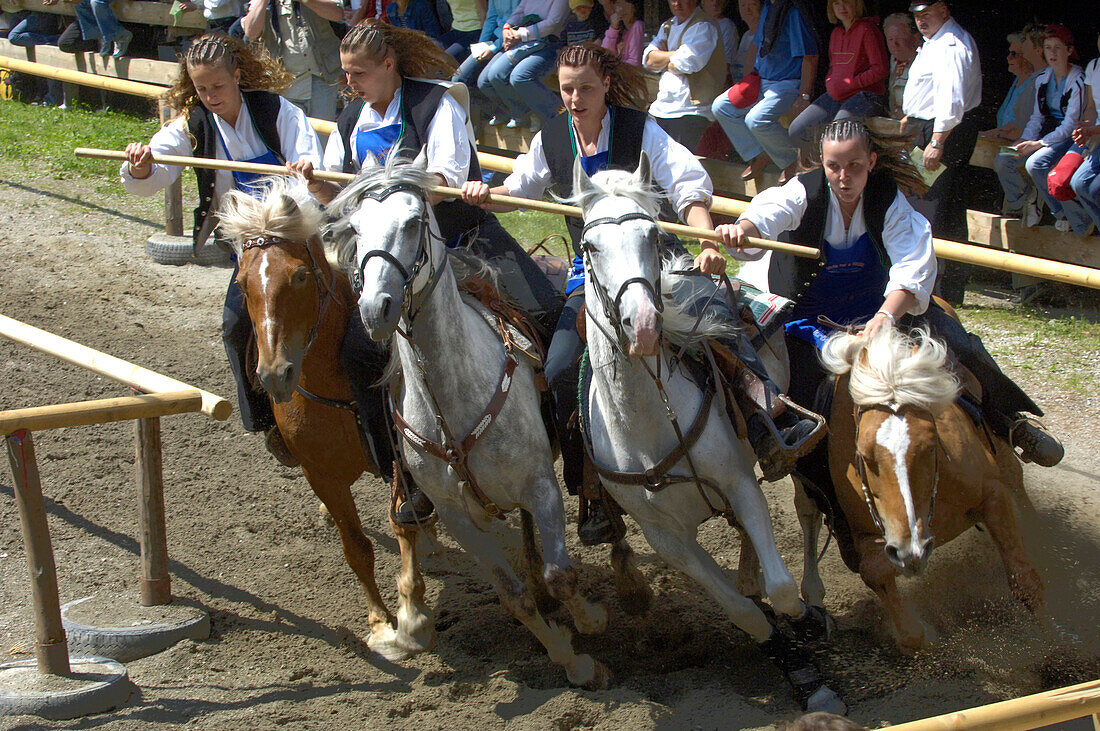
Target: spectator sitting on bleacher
point(72, 40)
point(220, 14)
point(625, 36)
point(749, 10)
point(856, 83)
point(1056, 109)
point(1086, 181)
point(586, 22)
point(38, 29)
point(786, 61)
point(1015, 110)
point(731, 37)
point(98, 22)
point(415, 15)
point(467, 17)
point(512, 80)
point(490, 43)
point(902, 40)
point(688, 53)
point(300, 35)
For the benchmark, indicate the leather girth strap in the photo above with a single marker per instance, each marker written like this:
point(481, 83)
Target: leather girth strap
point(456, 452)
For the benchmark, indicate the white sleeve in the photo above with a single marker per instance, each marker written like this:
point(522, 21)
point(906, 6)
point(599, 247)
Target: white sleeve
point(949, 86)
point(654, 45)
point(696, 46)
point(530, 172)
point(333, 160)
point(777, 209)
point(171, 139)
point(675, 169)
point(296, 135)
point(907, 236)
point(449, 143)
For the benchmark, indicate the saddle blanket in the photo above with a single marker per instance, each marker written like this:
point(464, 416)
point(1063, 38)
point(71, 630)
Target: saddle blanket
point(526, 352)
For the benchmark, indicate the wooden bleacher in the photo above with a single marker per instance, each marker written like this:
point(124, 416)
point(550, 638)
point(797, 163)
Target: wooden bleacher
point(145, 12)
point(144, 70)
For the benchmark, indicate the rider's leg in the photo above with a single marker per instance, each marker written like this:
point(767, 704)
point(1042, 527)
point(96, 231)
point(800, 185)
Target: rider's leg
point(1002, 400)
point(364, 362)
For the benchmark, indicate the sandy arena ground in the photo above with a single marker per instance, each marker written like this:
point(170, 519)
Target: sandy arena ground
point(246, 542)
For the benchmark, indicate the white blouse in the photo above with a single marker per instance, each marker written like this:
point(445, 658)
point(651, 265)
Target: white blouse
point(448, 143)
point(906, 234)
point(945, 78)
point(299, 142)
point(675, 169)
point(692, 47)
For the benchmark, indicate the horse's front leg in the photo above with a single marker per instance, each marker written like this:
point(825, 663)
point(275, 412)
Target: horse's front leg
point(415, 627)
point(561, 577)
point(518, 600)
point(880, 576)
point(1000, 521)
point(532, 559)
point(809, 517)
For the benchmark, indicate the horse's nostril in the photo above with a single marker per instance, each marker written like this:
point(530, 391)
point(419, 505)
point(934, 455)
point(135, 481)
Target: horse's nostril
point(386, 302)
point(626, 322)
point(893, 553)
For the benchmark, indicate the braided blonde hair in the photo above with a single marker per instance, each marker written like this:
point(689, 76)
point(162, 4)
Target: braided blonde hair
point(415, 53)
point(258, 69)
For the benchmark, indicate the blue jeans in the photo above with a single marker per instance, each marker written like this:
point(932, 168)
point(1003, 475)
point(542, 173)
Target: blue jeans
point(457, 42)
point(97, 20)
point(756, 129)
point(32, 29)
point(805, 130)
point(512, 80)
point(1039, 166)
point(1015, 182)
point(1086, 184)
point(468, 73)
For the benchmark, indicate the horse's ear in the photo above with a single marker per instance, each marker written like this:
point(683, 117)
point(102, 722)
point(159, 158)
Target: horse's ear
point(421, 161)
point(644, 173)
point(582, 184)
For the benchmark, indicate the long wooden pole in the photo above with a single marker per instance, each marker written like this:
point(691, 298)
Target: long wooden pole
point(100, 411)
point(1018, 714)
point(141, 379)
point(535, 205)
point(51, 648)
point(106, 83)
point(156, 584)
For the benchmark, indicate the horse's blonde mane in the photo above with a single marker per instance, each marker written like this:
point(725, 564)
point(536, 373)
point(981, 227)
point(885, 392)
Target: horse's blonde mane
point(619, 183)
point(339, 233)
point(286, 211)
point(893, 368)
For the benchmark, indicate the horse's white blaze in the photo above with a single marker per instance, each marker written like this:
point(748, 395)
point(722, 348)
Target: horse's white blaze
point(893, 436)
point(265, 278)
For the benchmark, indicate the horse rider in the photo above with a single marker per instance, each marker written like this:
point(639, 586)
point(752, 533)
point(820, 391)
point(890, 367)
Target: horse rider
point(878, 267)
point(397, 110)
point(602, 125)
point(230, 110)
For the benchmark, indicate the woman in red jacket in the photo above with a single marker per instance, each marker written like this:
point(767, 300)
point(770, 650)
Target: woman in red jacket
point(856, 82)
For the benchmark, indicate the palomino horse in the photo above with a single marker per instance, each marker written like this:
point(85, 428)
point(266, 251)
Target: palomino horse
point(467, 408)
point(912, 469)
point(671, 474)
point(299, 306)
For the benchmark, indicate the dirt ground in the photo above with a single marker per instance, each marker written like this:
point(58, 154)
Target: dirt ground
point(247, 544)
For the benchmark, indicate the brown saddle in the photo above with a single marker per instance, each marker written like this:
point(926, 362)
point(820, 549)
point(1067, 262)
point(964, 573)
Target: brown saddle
point(490, 297)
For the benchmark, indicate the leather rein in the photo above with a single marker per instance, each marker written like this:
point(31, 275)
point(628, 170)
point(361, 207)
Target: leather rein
point(455, 451)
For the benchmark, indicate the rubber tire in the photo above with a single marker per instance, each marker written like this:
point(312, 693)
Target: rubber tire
point(95, 698)
point(178, 250)
point(130, 643)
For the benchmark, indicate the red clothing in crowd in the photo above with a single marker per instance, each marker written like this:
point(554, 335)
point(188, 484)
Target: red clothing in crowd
point(858, 60)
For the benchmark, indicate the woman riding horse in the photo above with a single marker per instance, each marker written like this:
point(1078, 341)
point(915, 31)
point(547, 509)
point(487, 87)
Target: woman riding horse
point(396, 110)
point(602, 125)
point(230, 110)
point(878, 267)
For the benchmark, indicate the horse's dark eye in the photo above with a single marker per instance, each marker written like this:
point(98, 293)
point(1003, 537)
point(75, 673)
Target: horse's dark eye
point(301, 275)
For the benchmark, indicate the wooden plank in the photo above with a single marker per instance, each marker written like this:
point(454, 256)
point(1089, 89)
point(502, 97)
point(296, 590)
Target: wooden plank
point(127, 11)
point(144, 70)
point(51, 648)
point(984, 151)
point(1044, 242)
point(99, 411)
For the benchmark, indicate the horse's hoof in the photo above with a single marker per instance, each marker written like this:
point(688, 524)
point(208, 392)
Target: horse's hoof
point(824, 699)
point(395, 646)
point(636, 601)
point(601, 676)
point(813, 627)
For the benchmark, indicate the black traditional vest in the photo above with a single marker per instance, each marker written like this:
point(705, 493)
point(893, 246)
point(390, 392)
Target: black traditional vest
point(1050, 123)
point(263, 108)
point(624, 149)
point(879, 195)
point(420, 101)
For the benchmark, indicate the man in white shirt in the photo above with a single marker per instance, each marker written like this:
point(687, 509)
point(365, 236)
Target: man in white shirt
point(942, 92)
point(688, 53)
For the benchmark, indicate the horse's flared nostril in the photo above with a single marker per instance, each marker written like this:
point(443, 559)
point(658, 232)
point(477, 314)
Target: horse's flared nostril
point(385, 301)
point(893, 553)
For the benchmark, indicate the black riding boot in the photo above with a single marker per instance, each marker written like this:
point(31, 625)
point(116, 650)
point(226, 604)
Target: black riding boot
point(798, 668)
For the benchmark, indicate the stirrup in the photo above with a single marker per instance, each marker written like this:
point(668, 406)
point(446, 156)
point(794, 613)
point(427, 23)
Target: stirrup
point(780, 461)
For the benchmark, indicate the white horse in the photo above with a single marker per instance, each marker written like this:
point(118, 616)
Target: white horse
point(454, 366)
point(647, 461)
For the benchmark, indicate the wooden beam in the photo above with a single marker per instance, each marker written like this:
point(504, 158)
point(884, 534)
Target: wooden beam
point(100, 411)
point(51, 648)
point(984, 151)
point(127, 11)
point(141, 379)
point(1045, 242)
point(107, 83)
point(156, 584)
point(1018, 714)
point(145, 70)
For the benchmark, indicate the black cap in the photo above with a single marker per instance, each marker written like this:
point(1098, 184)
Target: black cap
point(918, 5)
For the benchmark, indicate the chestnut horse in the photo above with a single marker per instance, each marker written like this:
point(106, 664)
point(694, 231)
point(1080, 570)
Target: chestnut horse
point(913, 470)
point(299, 306)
